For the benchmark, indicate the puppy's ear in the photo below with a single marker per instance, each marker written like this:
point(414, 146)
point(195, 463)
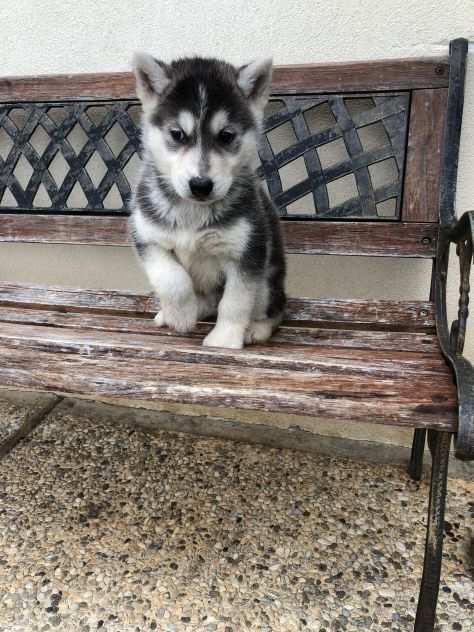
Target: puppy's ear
point(254, 79)
point(152, 77)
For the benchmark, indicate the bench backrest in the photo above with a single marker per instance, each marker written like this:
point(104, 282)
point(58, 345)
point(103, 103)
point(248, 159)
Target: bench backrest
point(367, 150)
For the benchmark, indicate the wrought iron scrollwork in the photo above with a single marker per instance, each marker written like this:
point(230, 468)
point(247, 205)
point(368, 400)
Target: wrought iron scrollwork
point(460, 233)
point(458, 326)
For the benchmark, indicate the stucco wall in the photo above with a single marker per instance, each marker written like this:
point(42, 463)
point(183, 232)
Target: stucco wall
point(84, 36)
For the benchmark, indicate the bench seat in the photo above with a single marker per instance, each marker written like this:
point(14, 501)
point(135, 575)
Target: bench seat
point(341, 360)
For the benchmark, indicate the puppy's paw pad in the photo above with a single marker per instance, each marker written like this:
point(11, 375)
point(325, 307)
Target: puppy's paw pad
point(258, 331)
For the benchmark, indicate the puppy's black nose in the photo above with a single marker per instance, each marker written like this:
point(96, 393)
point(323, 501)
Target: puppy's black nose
point(201, 187)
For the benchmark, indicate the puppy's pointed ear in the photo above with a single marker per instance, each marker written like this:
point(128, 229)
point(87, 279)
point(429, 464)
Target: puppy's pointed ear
point(152, 77)
point(254, 79)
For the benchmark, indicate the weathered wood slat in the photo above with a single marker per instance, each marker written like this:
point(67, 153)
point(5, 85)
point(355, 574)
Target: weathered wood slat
point(104, 301)
point(398, 315)
point(381, 313)
point(423, 161)
point(388, 239)
point(138, 367)
point(416, 342)
point(286, 341)
point(391, 365)
point(390, 74)
point(60, 229)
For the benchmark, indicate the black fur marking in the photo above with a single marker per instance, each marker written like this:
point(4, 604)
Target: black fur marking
point(144, 201)
point(140, 246)
point(222, 92)
point(276, 262)
point(164, 185)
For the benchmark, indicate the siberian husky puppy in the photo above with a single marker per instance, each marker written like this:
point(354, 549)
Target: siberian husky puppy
point(205, 230)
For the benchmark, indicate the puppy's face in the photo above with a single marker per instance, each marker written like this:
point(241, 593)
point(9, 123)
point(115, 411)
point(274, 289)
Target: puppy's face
point(201, 121)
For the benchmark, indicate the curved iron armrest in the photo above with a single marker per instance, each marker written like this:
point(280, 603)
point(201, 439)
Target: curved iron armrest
point(452, 339)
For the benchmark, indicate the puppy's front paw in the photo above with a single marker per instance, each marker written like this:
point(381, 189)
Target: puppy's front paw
point(212, 242)
point(226, 336)
point(182, 317)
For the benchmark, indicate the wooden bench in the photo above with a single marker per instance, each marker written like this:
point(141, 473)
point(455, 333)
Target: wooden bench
point(381, 361)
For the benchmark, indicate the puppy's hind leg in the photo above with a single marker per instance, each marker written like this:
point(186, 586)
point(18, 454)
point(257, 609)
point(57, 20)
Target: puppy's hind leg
point(261, 330)
point(207, 305)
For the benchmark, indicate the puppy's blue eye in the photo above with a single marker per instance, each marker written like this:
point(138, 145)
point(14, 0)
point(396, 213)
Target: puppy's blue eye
point(226, 136)
point(178, 135)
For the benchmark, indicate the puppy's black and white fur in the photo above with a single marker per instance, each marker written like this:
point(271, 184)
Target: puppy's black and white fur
point(205, 230)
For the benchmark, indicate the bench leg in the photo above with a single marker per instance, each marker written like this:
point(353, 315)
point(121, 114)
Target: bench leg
point(415, 469)
point(439, 444)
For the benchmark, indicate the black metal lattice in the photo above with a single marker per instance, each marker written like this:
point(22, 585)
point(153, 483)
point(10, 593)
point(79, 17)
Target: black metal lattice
point(98, 145)
point(348, 120)
point(78, 133)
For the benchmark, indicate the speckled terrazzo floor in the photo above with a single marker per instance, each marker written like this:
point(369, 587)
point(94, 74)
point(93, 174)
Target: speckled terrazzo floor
point(105, 527)
point(11, 418)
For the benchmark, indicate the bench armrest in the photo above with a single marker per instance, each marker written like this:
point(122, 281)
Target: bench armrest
point(452, 338)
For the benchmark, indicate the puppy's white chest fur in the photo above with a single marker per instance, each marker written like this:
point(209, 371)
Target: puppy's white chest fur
point(203, 252)
point(206, 252)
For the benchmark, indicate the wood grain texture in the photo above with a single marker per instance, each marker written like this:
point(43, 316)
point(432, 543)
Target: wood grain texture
point(373, 239)
point(397, 389)
point(395, 315)
point(387, 239)
point(391, 74)
point(423, 160)
point(415, 342)
point(64, 229)
point(274, 355)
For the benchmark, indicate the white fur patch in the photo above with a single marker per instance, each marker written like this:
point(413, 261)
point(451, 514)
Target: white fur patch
point(203, 253)
point(224, 166)
point(186, 122)
point(219, 121)
point(254, 78)
point(183, 261)
point(234, 312)
point(179, 166)
point(151, 80)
